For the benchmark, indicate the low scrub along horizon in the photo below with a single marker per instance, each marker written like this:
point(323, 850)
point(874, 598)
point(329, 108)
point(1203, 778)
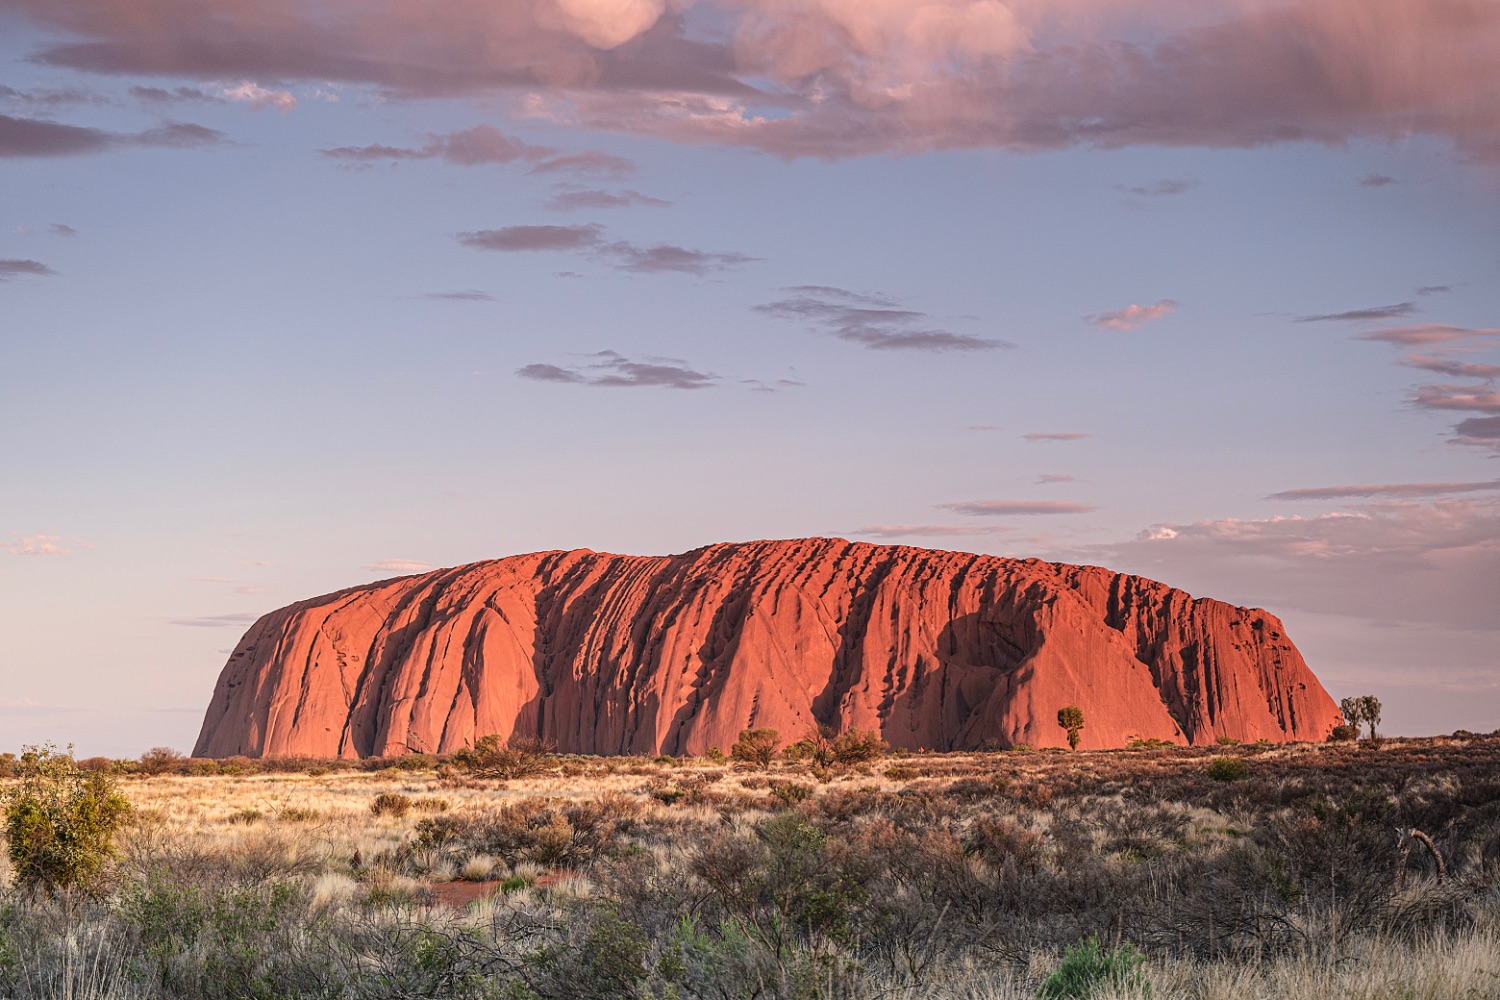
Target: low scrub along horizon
point(831, 868)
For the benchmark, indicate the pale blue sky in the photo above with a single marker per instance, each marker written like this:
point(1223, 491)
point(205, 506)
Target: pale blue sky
point(246, 380)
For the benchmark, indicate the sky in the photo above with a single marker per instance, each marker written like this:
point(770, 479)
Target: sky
point(298, 294)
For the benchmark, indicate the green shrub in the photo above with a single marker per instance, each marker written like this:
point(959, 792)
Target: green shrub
point(1088, 967)
point(60, 822)
point(1228, 769)
point(789, 793)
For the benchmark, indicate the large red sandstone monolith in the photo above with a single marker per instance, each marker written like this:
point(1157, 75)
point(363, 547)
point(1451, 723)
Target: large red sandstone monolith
point(617, 654)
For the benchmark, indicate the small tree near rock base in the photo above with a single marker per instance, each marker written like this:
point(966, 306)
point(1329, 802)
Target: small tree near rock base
point(756, 747)
point(1071, 719)
point(1365, 708)
point(60, 823)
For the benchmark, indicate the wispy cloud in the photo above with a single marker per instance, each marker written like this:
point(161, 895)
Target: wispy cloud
point(1132, 316)
point(59, 229)
point(36, 138)
point(924, 530)
point(1052, 477)
point(398, 566)
point(236, 620)
point(984, 427)
point(636, 258)
point(1165, 188)
point(464, 295)
point(1044, 436)
point(485, 145)
point(1450, 366)
point(1480, 398)
point(872, 321)
point(526, 238)
point(613, 370)
point(12, 269)
point(35, 545)
point(1008, 508)
point(570, 198)
point(1448, 350)
point(1430, 334)
point(1377, 180)
point(1395, 311)
point(1434, 289)
point(1398, 490)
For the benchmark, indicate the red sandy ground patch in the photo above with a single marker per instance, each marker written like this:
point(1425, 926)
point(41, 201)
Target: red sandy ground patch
point(458, 895)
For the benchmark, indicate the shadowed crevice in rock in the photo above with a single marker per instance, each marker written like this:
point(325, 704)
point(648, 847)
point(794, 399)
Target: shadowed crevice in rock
point(603, 653)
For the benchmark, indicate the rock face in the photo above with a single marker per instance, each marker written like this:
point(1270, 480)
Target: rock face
point(618, 654)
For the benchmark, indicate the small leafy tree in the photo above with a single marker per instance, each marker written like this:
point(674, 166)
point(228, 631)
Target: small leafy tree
point(1071, 719)
point(826, 746)
point(756, 747)
point(60, 822)
point(1365, 708)
point(1369, 709)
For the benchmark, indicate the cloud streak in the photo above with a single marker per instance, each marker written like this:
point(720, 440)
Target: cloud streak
point(38, 138)
point(397, 566)
point(1394, 311)
point(874, 322)
point(1007, 508)
point(1397, 490)
point(236, 620)
point(11, 269)
point(484, 145)
point(924, 530)
point(1041, 437)
point(571, 199)
point(636, 258)
point(611, 370)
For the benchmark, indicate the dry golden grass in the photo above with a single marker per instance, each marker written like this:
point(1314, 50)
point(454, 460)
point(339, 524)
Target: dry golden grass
point(918, 875)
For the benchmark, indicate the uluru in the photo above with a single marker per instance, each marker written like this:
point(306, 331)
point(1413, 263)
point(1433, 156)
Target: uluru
point(614, 654)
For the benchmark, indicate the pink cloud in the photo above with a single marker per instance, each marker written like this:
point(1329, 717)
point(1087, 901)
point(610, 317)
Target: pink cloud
point(1132, 316)
point(35, 545)
point(825, 78)
point(1395, 560)
point(259, 97)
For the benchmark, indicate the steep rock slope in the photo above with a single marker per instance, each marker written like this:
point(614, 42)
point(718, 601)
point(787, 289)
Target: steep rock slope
point(629, 654)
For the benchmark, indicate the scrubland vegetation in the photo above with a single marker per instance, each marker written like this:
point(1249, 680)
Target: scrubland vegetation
point(507, 872)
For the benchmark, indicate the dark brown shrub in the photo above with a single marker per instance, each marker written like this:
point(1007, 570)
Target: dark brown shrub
point(522, 757)
point(391, 804)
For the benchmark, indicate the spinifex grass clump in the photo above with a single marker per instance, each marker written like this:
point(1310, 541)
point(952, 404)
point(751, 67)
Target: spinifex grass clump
point(1088, 967)
point(60, 822)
